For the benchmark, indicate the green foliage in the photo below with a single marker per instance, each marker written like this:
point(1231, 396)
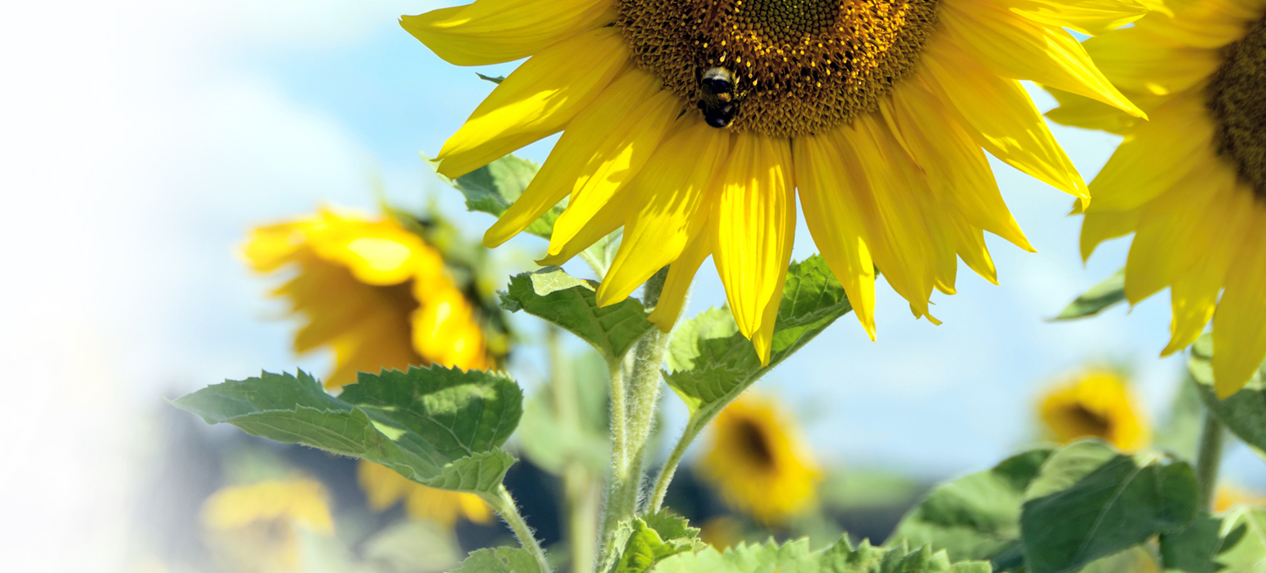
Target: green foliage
point(499, 560)
point(570, 303)
point(1233, 542)
point(439, 427)
point(976, 516)
point(1097, 299)
point(839, 558)
point(554, 442)
point(495, 80)
point(494, 187)
point(1088, 501)
point(654, 538)
point(1241, 412)
point(711, 363)
point(1181, 431)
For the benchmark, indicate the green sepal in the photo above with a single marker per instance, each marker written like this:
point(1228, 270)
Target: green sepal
point(976, 517)
point(1089, 501)
point(439, 427)
point(839, 558)
point(571, 303)
point(1097, 299)
point(1241, 412)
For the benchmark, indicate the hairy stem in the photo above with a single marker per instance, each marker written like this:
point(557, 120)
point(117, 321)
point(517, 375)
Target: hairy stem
point(670, 467)
point(504, 505)
point(1209, 458)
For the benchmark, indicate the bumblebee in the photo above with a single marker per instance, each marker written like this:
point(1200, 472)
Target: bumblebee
point(719, 102)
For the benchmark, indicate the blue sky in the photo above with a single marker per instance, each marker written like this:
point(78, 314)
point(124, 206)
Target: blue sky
point(154, 135)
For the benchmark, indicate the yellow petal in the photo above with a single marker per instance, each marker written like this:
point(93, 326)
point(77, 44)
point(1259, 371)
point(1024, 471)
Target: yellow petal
point(616, 162)
point(681, 274)
point(1089, 17)
point(1177, 137)
point(828, 181)
point(1021, 49)
point(1172, 235)
point(586, 143)
point(955, 166)
point(536, 100)
point(1001, 117)
point(1239, 324)
point(756, 225)
point(1139, 60)
point(609, 218)
point(496, 31)
point(1099, 226)
point(1077, 111)
point(666, 207)
point(1208, 24)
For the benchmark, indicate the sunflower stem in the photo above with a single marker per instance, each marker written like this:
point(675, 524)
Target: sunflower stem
point(1209, 459)
point(667, 472)
point(502, 503)
point(580, 495)
point(633, 408)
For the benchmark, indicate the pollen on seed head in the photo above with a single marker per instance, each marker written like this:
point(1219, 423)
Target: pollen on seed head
point(1237, 101)
point(800, 65)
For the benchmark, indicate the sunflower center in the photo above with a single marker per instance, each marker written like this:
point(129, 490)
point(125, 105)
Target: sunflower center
point(1237, 99)
point(1089, 423)
point(797, 66)
point(755, 445)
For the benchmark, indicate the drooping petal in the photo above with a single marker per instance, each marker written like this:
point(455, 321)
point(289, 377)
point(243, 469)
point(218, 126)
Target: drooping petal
point(756, 225)
point(589, 141)
point(667, 199)
point(1209, 24)
point(610, 217)
point(955, 166)
point(1089, 17)
point(1172, 139)
point(828, 182)
point(1239, 324)
point(536, 100)
point(1138, 60)
point(1001, 117)
point(495, 31)
point(681, 274)
point(1024, 50)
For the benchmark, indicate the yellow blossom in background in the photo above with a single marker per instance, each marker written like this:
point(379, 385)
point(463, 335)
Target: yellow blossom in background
point(692, 125)
point(1191, 182)
point(722, 532)
point(1095, 403)
point(372, 292)
point(252, 527)
point(759, 461)
point(385, 488)
point(1229, 496)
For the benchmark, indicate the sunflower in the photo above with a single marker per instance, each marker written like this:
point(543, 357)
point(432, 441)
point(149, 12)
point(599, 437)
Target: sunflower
point(1095, 403)
point(759, 461)
point(253, 526)
point(1229, 496)
point(384, 488)
point(1191, 182)
point(372, 291)
point(693, 124)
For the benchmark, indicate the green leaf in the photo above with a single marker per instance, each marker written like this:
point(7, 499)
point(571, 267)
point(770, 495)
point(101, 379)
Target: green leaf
point(439, 427)
point(492, 188)
point(1088, 501)
point(499, 560)
point(1097, 299)
point(570, 303)
point(839, 558)
point(655, 538)
point(1233, 542)
point(711, 363)
point(1242, 412)
point(976, 516)
point(495, 80)
point(1180, 433)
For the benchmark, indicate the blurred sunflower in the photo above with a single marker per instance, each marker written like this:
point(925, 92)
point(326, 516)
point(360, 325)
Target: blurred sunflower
point(1191, 183)
point(373, 292)
point(759, 461)
point(385, 488)
point(1229, 496)
point(1095, 403)
point(380, 297)
point(252, 527)
point(875, 110)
